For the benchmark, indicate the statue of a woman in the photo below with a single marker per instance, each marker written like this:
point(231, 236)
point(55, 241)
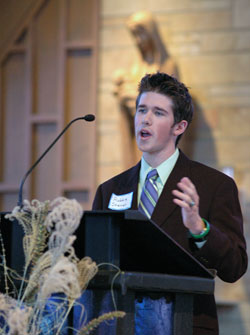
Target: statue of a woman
point(154, 57)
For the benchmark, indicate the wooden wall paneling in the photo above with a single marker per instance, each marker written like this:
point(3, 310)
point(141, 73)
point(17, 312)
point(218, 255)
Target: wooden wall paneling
point(9, 198)
point(61, 92)
point(58, 46)
point(13, 110)
point(78, 86)
point(80, 83)
point(13, 113)
point(28, 103)
point(44, 177)
point(1, 125)
point(80, 24)
point(1, 138)
point(93, 95)
point(44, 120)
point(20, 28)
point(46, 26)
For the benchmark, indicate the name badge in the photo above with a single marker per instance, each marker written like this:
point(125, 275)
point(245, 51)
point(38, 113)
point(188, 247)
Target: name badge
point(120, 202)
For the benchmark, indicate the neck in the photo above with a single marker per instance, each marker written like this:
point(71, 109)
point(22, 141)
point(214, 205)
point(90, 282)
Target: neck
point(155, 159)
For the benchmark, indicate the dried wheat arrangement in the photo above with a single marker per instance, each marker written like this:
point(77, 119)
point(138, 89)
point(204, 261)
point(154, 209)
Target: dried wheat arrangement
point(53, 277)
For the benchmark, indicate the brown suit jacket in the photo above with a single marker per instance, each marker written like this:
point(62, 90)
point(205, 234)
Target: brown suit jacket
point(225, 248)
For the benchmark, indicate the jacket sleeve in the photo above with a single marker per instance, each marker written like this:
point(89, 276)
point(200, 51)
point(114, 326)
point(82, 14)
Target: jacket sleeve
point(225, 249)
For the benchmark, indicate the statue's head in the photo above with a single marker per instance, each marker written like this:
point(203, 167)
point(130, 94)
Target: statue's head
point(143, 27)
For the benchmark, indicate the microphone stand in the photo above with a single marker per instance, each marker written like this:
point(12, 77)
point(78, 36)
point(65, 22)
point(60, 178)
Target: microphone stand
point(88, 117)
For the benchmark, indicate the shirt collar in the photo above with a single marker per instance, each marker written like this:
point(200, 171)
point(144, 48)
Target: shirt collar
point(164, 169)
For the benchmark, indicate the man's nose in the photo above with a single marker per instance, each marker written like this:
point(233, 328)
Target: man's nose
point(147, 118)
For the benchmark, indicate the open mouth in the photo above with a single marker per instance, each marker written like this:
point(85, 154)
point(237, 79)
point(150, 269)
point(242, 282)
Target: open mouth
point(145, 133)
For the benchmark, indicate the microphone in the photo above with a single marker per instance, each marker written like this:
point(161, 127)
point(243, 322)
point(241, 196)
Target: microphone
point(88, 118)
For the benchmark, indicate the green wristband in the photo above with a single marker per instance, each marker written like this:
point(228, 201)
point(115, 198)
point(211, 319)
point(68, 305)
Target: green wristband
point(204, 232)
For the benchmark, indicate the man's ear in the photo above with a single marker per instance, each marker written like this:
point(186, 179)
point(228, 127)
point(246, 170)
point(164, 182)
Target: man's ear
point(179, 128)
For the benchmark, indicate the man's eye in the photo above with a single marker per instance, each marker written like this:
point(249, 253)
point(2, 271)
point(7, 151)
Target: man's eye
point(141, 110)
point(158, 113)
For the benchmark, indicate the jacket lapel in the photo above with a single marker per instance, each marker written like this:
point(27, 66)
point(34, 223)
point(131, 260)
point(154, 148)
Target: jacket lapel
point(165, 205)
point(130, 184)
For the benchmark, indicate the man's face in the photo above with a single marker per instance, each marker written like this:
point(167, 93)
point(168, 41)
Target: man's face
point(154, 125)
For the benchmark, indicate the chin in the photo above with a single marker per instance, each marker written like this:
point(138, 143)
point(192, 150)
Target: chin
point(143, 148)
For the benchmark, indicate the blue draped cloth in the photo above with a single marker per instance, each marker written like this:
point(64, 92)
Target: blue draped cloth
point(53, 314)
point(152, 316)
point(93, 310)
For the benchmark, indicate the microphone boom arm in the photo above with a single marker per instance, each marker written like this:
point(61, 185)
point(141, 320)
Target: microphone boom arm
point(88, 117)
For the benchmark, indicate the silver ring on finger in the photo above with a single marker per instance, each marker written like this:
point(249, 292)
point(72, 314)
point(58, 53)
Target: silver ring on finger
point(191, 203)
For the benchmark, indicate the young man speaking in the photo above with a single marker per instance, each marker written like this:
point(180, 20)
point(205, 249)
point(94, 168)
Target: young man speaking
point(195, 204)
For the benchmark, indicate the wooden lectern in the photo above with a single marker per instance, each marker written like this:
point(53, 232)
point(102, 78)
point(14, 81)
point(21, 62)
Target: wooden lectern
point(150, 261)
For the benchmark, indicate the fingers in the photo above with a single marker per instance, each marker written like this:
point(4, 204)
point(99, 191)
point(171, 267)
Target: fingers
point(186, 196)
